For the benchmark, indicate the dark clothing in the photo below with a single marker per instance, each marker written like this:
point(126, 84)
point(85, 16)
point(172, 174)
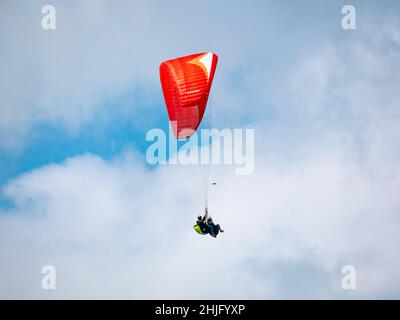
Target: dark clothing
point(208, 226)
point(213, 229)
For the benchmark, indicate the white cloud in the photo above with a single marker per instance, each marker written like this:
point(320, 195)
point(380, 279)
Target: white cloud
point(116, 230)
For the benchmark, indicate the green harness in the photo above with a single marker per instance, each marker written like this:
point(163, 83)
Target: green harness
point(198, 230)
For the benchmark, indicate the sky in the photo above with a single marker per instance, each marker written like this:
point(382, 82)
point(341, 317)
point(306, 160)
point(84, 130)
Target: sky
point(77, 193)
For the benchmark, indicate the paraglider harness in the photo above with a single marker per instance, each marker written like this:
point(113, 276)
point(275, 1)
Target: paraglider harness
point(198, 229)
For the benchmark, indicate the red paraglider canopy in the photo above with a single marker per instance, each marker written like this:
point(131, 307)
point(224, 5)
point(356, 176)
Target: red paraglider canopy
point(186, 84)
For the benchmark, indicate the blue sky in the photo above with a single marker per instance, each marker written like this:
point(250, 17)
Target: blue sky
point(77, 192)
point(106, 135)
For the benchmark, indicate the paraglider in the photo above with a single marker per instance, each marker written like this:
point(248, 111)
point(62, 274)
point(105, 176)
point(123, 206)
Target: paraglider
point(205, 225)
point(186, 84)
